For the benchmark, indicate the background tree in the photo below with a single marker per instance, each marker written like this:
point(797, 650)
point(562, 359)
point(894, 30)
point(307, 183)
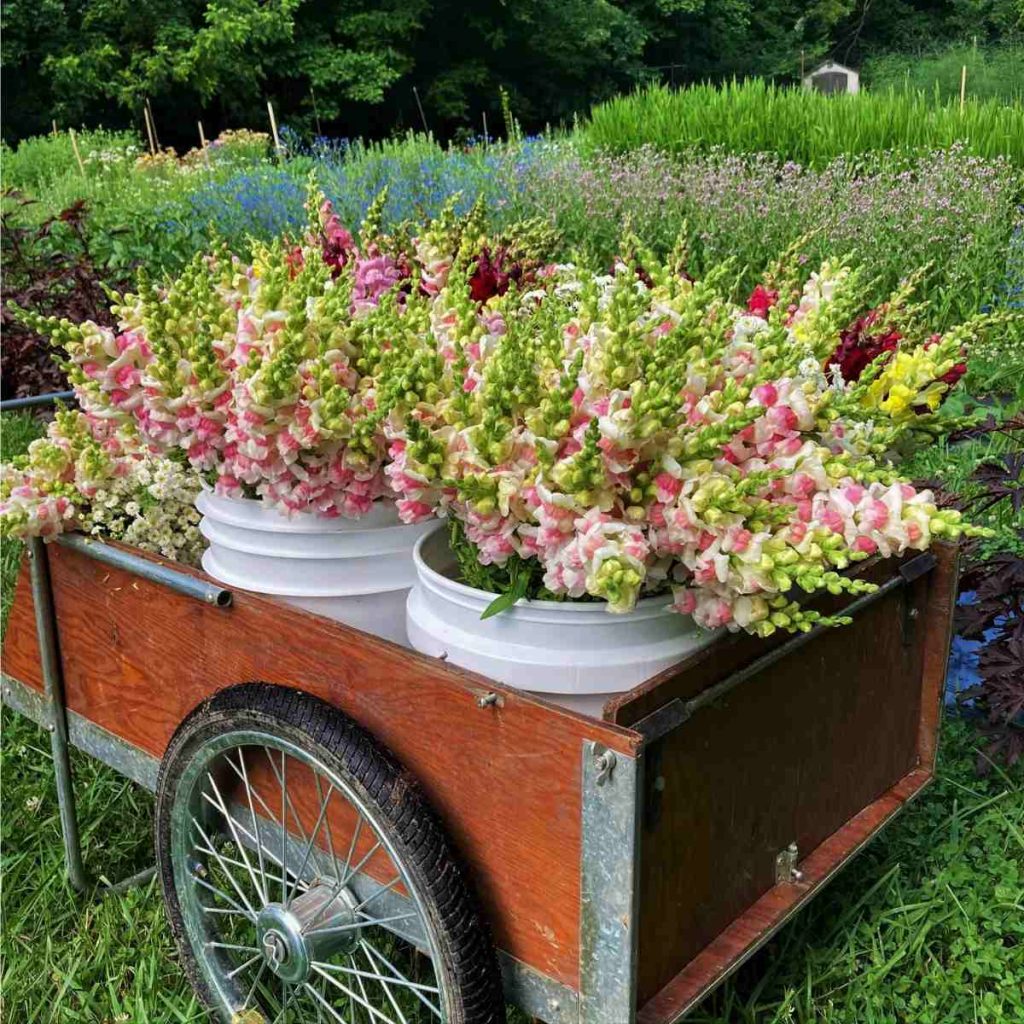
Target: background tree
point(349, 67)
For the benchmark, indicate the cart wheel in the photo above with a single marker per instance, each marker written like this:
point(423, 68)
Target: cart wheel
point(305, 878)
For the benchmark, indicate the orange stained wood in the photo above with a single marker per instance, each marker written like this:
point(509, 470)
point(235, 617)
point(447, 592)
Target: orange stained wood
point(505, 779)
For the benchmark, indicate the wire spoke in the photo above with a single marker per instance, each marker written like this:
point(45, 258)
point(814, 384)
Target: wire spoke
point(384, 888)
point(288, 994)
point(236, 863)
point(224, 866)
point(284, 821)
point(360, 924)
point(241, 967)
point(273, 856)
point(362, 989)
point(351, 872)
point(327, 824)
point(223, 910)
point(286, 802)
point(383, 984)
point(255, 820)
point(255, 984)
point(229, 945)
point(312, 839)
point(376, 975)
point(398, 975)
point(223, 895)
point(222, 806)
point(352, 994)
point(321, 1001)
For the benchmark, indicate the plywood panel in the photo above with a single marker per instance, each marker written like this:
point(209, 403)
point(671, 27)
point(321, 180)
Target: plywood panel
point(789, 755)
point(506, 780)
point(761, 920)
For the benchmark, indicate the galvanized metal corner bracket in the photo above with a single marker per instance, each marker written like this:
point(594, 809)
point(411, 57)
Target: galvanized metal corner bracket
point(609, 881)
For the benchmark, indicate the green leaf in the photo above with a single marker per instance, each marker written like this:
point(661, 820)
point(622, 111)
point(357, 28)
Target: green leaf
point(519, 587)
point(501, 603)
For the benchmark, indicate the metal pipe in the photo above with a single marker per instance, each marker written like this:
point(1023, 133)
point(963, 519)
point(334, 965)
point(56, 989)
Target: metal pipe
point(117, 888)
point(27, 401)
point(177, 581)
point(49, 657)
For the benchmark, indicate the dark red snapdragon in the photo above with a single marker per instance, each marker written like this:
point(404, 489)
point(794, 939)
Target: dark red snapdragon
point(861, 343)
point(493, 275)
point(761, 301)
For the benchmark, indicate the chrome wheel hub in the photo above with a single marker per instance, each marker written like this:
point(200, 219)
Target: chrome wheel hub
point(313, 927)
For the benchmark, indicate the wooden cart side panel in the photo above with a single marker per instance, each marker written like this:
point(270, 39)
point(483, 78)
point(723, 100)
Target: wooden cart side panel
point(937, 635)
point(748, 932)
point(791, 755)
point(711, 664)
point(506, 780)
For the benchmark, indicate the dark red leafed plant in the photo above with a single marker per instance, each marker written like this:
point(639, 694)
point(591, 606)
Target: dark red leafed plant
point(47, 268)
point(997, 617)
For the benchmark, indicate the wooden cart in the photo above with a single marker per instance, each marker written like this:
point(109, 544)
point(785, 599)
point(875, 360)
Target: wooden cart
point(623, 867)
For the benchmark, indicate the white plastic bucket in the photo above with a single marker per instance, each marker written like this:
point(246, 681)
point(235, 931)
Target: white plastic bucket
point(356, 571)
point(576, 654)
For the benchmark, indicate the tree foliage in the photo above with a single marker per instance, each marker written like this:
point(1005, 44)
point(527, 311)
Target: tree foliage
point(351, 66)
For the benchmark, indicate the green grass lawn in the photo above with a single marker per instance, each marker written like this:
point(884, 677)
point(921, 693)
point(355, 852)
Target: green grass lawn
point(925, 926)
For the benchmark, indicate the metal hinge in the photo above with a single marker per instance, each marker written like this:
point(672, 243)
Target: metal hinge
point(786, 865)
point(604, 762)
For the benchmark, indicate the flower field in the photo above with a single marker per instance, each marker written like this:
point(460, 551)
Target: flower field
point(717, 344)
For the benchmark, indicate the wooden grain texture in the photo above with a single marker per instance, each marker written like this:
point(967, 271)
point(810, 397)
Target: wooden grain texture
point(506, 780)
point(706, 666)
point(776, 906)
point(936, 624)
point(787, 756)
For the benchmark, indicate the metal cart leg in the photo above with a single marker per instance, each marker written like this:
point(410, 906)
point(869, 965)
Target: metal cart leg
point(49, 656)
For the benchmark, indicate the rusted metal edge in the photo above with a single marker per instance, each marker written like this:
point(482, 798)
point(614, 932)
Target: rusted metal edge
point(678, 711)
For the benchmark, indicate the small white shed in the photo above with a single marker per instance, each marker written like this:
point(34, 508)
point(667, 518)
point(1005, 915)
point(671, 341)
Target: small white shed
point(832, 77)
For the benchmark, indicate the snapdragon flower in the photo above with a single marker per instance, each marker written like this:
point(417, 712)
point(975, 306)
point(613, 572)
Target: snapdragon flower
point(81, 476)
point(634, 434)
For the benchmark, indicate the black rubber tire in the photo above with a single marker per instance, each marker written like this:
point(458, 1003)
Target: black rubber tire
point(468, 971)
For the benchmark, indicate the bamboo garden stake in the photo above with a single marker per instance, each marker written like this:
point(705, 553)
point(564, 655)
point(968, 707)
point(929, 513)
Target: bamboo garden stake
point(202, 143)
point(316, 112)
point(963, 87)
point(423, 117)
point(152, 121)
point(74, 146)
point(149, 130)
point(273, 128)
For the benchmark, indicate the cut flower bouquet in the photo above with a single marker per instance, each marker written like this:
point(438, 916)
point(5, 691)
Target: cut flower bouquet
point(607, 436)
point(590, 436)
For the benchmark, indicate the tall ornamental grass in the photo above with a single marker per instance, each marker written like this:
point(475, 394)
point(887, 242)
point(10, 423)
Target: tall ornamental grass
point(808, 127)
